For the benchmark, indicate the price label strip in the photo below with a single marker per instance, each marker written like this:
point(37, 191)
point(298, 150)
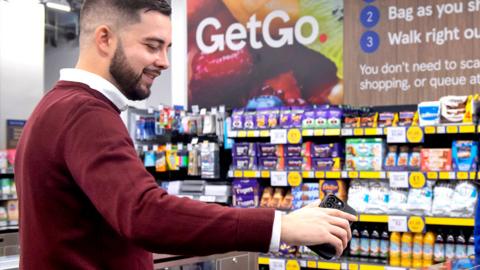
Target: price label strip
point(278, 136)
point(292, 265)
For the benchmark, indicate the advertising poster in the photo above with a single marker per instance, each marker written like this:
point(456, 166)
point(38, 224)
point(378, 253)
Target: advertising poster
point(409, 51)
point(265, 53)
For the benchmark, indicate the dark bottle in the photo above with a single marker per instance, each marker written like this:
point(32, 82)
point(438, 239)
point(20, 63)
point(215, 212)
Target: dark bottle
point(450, 246)
point(375, 244)
point(384, 244)
point(355, 243)
point(365, 243)
point(471, 246)
point(460, 247)
point(439, 249)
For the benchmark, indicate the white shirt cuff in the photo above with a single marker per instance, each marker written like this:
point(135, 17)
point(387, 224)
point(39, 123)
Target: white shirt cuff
point(276, 231)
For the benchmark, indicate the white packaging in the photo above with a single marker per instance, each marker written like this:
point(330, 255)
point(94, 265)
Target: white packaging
point(442, 199)
point(429, 113)
point(397, 203)
point(420, 200)
point(464, 200)
point(358, 195)
point(378, 197)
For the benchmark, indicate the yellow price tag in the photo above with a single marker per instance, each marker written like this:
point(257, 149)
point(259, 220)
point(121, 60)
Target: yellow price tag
point(292, 265)
point(444, 175)
point(265, 174)
point(462, 175)
point(250, 174)
point(333, 175)
point(264, 133)
point(353, 175)
point(294, 136)
point(311, 264)
point(416, 224)
point(318, 132)
point(307, 174)
point(242, 134)
point(417, 180)
point(467, 129)
point(432, 175)
point(371, 131)
point(319, 175)
point(294, 179)
point(370, 175)
point(452, 129)
point(414, 135)
point(238, 174)
point(430, 130)
point(332, 132)
point(358, 131)
point(251, 134)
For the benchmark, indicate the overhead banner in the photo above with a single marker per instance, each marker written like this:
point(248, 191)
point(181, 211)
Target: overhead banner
point(408, 51)
point(265, 53)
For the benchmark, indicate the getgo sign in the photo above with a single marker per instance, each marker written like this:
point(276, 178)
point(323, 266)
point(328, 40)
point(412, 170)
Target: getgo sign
point(236, 34)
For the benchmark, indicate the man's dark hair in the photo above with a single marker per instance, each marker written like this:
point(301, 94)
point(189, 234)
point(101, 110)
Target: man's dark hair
point(117, 13)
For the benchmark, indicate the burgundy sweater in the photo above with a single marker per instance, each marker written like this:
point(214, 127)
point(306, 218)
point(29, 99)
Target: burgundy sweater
point(87, 202)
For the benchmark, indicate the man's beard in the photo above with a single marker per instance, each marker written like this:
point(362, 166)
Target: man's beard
point(125, 77)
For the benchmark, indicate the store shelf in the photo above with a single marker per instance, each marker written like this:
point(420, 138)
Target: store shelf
point(356, 174)
point(443, 221)
point(333, 265)
point(359, 132)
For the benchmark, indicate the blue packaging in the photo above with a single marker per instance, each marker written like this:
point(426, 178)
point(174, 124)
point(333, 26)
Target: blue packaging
point(465, 155)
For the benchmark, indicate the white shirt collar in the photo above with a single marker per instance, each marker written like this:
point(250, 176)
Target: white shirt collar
point(97, 83)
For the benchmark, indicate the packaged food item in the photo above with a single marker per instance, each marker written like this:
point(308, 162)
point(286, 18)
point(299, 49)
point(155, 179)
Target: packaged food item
point(387, 119)
point(465, 155)
point(307, 164)
point(417, 251)
point(378, 197)
point(374, 244)
point(331, 150)
point(442, 199)
point(420, 200)
point(450, 246)
point(270, 150)
point(365, 243)
point(366, 147)
point(414, 159)
point(321, 117)
point(358, 195)
point(429, 113)
point(244, 163)
point(271, 163)
point(384, 244)
point(287, 201)
point(454, 108)
point(12, 211)
point(351, 120)
point(267, 197)
point(363, 163)
point(305, 194)
point(335, 115)
point(285, 117)
point(307, 149)
point(397, 203)
point(355, 243)
point(336, 187)
point(273, 119)
point(262, 118)
point(428, 244)
point(395, 248)
point(277, 198)
point(296, 117)
point(403, 158)
point(406, 250)
point(405, 119)
point(244, 149)
point(391, 159)
point(250, 120)
point(460, 246)
point(369, 120)
point(439, 249)
point(237, 119)
point(293, 150)
point(464, 200)
point(210, 160)
point(293, 163)
point(3, 217)
point(326, 164)
point(308, 119)
point(436, 159)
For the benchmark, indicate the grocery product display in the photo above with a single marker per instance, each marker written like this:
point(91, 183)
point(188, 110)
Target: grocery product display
point(377, 197)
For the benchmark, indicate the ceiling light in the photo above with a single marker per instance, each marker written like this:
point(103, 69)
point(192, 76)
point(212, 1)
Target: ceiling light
point(60, 7)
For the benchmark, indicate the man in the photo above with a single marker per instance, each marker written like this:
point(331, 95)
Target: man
point(87, 202)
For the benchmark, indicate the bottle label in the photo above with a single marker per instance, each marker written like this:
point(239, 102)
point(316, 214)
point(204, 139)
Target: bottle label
point(406, 249)
point(355, 246)
point(364, 246)
point(470, 250)
point(417, 249)
point(394, 247)
point(450, 251)
point(427, 250)
point(439, 252)
point(374, 247)
point(384, 248)
point(460, 251)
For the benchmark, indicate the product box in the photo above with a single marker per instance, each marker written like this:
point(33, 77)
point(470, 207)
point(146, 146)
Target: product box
point(270, 150)
point(327, 164)
point(244, 163)
point(436, 159)
point(429, 113)
point(331, 150)
point(363, 163)
point(271, 163)
point(337, 187)
point(456, 109)
point(244, 149)
point(371, 147)
point(465, 155)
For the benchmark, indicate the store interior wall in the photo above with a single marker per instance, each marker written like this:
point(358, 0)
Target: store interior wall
point(21, 60)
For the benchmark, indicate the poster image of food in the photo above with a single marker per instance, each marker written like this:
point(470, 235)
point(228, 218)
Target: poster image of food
point(265, 53)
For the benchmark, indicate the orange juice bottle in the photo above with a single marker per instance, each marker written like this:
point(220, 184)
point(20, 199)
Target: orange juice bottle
point(417, 250)
point(428, 243)
point(395, 249)
point(406, 251)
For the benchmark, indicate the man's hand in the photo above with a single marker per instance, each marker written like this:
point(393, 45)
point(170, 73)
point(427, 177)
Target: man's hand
point(313, 225)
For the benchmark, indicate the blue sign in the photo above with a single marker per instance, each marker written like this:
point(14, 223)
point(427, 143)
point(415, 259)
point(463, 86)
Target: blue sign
point(370, 41)
point(370, 16)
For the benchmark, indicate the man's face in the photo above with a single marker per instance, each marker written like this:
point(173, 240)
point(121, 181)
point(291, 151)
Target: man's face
point(141, 55)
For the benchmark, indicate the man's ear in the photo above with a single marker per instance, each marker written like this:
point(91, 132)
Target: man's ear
point(105, 40)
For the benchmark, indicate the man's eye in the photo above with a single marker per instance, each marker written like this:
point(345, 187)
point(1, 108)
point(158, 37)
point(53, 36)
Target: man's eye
point(152, 48)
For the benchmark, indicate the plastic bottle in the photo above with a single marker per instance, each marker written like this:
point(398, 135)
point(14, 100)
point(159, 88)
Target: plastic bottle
point(375, 244)
point(406, 251)
point(417, 253)
point(355, 243)
point(460, 247)
point(471, 246)
point(439, 249)
point(365, 243)
point(384, 245)
point(428, 243)
point(450, 246)
point(395, 249)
